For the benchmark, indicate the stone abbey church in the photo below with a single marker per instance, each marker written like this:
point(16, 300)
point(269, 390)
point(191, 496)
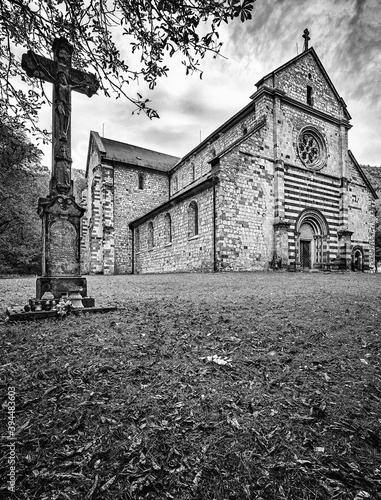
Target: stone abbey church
point(275, 187)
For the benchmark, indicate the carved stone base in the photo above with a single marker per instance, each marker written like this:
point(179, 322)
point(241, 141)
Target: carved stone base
point(61, 217)
point(17, 314)
point(58, 285)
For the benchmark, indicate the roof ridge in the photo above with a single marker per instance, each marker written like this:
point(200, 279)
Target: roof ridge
point(105, 139)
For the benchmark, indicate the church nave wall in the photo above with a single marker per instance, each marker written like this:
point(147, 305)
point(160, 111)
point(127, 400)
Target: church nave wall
point(362, 220)
point(183, 253)
point(199, 162)
point(131, 202)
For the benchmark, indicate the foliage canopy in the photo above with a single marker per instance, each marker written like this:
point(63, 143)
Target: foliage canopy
point(101, 33)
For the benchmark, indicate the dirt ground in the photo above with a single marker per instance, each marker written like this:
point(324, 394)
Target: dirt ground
point(200, 386)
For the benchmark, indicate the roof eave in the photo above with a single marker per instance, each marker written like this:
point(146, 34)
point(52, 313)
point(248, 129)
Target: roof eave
point(114, 161)
point(191, 191)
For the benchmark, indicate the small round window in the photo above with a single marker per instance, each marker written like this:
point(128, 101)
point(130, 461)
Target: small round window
point(311, 148)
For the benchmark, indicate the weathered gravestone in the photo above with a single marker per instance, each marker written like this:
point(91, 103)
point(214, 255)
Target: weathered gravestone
point(59, 211)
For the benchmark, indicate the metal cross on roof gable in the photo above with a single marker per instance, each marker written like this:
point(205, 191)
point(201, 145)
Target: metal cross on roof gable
point(306, 38)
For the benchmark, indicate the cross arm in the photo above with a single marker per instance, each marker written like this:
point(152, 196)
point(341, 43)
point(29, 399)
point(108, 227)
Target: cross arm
point(38, 66)
point(83, 82)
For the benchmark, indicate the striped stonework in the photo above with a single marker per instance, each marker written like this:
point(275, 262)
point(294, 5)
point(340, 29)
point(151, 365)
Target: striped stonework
point(303, 190)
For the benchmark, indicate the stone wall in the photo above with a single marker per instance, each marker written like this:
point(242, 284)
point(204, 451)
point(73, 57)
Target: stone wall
point(130, 203)
point(295, 78)
point(242, 216)
point(92, 220)
point(197, 165)
point(245, 205)
point(100, 220)
point(361, 215)
point(317, 191)
point(85, 247)
point(292, 121)
point(184, 253)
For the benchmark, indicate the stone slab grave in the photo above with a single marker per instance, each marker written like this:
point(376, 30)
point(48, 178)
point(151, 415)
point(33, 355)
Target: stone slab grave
point(61, 288)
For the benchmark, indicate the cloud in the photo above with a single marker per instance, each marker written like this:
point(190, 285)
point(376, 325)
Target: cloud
point(346, 35)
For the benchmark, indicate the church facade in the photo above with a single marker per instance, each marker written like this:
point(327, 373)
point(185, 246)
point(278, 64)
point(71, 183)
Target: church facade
point(275, 187)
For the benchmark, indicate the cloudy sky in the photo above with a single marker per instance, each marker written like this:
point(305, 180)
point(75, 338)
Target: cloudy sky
point(346, 34)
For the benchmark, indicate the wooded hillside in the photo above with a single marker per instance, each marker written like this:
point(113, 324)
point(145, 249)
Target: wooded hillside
point(20, 225)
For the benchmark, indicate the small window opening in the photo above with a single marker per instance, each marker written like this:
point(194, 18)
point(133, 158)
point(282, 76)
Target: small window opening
point(141, 181)
point(310, 100)
point(151, 239)
point(137, 240)
point(309, 76)
point(175, 184)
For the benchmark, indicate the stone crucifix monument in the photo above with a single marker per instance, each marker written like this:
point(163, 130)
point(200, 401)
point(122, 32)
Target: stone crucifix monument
point(60, 213)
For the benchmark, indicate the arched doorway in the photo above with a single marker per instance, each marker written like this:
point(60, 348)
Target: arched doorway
point(311, 240)
point(307, 246)
point(357, 259)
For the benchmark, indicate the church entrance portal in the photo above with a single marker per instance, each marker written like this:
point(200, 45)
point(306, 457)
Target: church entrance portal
point(305, 254)
point(311, 240)
point(357, 259)
point(308, 246)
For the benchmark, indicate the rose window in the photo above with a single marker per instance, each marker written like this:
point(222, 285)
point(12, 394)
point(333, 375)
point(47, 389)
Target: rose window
point(311, 148)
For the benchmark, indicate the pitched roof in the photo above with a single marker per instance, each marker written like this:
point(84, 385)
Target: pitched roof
point(133, 155)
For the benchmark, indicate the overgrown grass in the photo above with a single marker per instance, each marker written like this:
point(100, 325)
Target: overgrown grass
point(210, 387)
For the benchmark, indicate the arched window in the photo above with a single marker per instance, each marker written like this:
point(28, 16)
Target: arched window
point(192, 219)
point(312, 148)
point(193, 171)
point(137, 240)
point(168, 229)
point(141, 181)
point(151, 240)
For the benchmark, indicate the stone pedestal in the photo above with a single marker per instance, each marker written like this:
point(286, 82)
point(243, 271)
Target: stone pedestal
point(58, 285)
point(61, 272)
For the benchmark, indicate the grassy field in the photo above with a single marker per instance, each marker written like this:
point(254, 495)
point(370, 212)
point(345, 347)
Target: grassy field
point(210, 387)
